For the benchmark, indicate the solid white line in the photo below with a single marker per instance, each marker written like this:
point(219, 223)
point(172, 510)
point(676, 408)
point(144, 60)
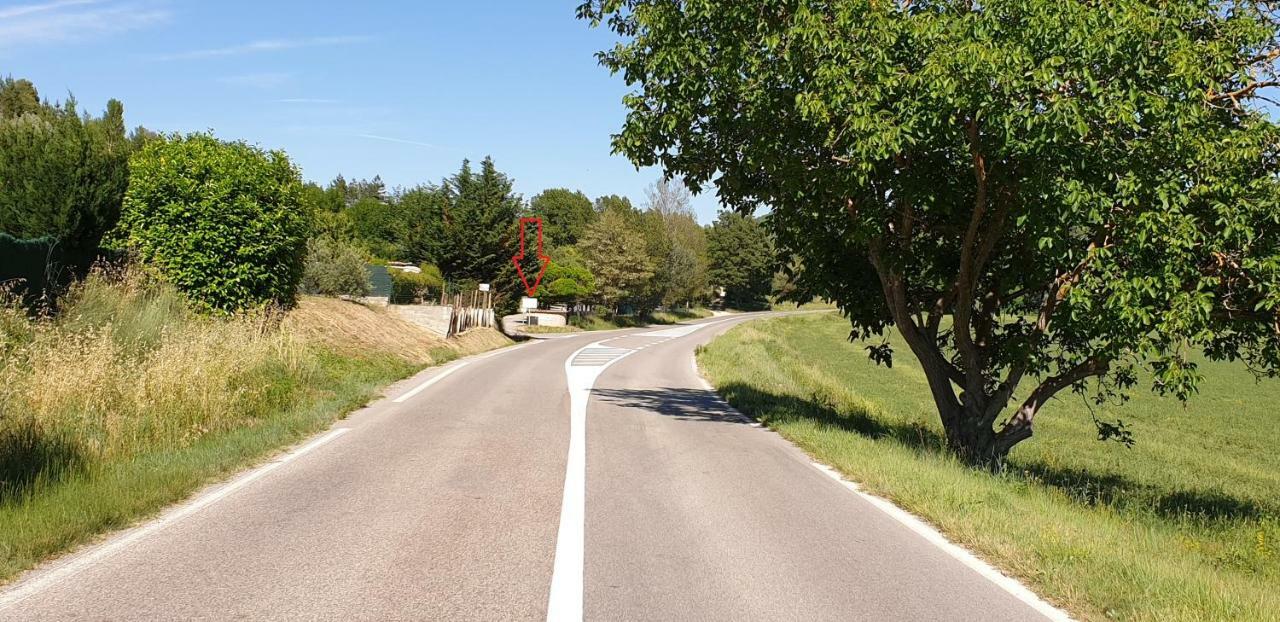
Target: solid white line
point(430, 381)
point(926, 531)
point(564, 603)
point(78, 563)
point(934, 537)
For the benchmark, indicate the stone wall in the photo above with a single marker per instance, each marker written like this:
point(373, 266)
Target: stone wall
point(434, 318)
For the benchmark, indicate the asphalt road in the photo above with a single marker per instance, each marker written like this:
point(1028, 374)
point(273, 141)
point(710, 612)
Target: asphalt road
point(585, 476)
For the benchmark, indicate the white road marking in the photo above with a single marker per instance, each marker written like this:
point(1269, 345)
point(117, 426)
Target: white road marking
point(564, 604)
point(924, 530)
point(430, 381)
point(934, 537)
point(77, 563)
point(679, 330)
point(693, 364)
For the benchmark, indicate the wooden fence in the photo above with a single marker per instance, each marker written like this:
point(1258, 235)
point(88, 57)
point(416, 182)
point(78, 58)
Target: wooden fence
point(470, 310)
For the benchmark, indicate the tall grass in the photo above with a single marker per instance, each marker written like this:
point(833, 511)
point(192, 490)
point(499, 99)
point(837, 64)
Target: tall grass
point(126, 400)
point(1183, 526)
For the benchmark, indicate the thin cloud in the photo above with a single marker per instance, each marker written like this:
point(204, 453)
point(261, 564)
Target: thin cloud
point(397, 140)
point(305, 100)
point(28, 9)
point(265, 45)
point(74, 20)
point(264, 80)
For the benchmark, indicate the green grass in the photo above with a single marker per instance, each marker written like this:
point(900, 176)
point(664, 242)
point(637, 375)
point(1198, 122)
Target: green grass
point(542, 330)
point(57, 513)
point(815, 305)
point(1183, 526)
point(127, 402)
point(612, 322)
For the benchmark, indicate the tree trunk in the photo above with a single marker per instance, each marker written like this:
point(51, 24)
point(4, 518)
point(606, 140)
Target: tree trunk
point(973, 442)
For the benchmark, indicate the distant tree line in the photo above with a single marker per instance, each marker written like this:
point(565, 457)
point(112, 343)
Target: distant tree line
point(235, 227)
point(606, 252)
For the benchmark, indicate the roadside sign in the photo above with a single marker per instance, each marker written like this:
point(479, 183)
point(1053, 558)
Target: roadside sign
point(528, 304)
point(484, 287)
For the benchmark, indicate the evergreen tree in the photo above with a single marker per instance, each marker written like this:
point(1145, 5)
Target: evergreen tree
point(18, 97)
point(61, 174)
point(742, 260)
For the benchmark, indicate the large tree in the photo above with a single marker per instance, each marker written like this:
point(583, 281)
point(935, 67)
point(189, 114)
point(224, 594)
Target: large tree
point(677, 244)
point(565, 214)
point(1039, 195)
point(466, 226)
point(742, 260)
point(613, 249)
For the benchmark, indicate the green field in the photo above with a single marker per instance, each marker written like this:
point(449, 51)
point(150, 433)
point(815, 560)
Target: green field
point(1183, 526)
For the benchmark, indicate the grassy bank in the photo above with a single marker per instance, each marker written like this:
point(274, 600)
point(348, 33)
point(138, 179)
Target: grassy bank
point(594, 321)
point(127, 401)
point(1184, 526)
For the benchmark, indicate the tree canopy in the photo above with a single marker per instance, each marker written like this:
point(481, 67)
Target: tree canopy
point(222, 221)
point(565, 214)
point(742, 260)
point(1043, 195)
point(62, 175)
point(614, 251)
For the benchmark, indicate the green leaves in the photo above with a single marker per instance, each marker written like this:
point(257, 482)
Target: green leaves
point(222, 221)
point(742, 260)
point(1090, 185)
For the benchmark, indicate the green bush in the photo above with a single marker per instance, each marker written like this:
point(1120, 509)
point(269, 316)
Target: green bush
point(433, 275)
point(412, 287)
point(335, 269)
point(222, 221)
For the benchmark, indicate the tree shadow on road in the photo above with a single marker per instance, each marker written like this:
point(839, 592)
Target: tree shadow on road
point(707, 405)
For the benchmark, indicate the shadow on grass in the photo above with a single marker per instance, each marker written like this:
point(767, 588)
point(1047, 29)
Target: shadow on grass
point(772, 408)
point(29, 458)
point(1111, 490)
point(1081, 486)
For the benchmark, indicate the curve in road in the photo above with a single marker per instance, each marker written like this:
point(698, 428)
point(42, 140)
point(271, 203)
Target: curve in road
point(588, 476)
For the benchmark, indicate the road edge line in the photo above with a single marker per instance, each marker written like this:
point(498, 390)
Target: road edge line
point(77, 563)
point(914, 523)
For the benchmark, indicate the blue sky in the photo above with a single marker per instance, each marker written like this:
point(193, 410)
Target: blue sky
point(401, 89)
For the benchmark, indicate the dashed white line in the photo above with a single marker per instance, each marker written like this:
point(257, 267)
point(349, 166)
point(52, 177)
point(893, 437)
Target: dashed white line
point(430, 381)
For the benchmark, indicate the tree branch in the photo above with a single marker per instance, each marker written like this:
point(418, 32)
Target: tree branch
point(966, 277)
point(1018, 427)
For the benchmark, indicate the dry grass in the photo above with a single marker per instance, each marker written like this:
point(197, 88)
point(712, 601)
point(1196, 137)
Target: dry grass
point(127, 401)
point(353, 327)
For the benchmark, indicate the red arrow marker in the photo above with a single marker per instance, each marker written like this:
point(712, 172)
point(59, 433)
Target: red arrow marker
point(543, 260)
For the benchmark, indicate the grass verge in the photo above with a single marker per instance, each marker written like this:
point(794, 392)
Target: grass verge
point(547, 330)
point(593, 321)
point(127, 402)
point(1184, 526)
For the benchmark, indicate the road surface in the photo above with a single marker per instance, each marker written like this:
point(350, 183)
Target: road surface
point(589, 476)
